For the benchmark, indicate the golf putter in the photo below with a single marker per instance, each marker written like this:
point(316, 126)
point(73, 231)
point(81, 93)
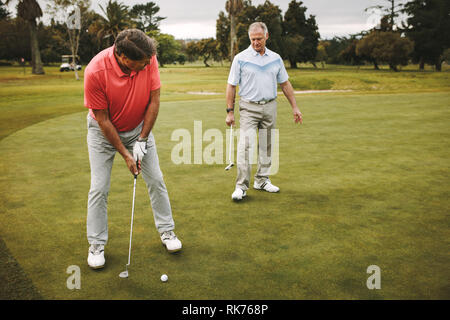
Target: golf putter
point(124, 274)
point(229, 157)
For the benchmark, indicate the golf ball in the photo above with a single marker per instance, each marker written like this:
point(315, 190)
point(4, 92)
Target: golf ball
point(164, 278)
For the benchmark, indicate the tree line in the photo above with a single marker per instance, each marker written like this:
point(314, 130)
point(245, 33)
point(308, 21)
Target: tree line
point(423, 38)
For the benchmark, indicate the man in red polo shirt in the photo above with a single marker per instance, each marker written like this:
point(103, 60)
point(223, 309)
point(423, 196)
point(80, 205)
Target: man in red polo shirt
point(121, 90)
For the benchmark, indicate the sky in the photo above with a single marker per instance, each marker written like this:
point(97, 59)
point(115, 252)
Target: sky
point(197, 18)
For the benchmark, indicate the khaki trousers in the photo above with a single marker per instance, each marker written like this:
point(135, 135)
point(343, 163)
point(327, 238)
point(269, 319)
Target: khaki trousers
point(255, 120)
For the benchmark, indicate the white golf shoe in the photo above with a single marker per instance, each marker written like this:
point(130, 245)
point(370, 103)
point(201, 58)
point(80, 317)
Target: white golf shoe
point(266, 186)
point(238, 194)
point(170, 241)
point(96, 258)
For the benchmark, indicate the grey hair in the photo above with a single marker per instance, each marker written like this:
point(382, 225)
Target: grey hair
point(260, 25)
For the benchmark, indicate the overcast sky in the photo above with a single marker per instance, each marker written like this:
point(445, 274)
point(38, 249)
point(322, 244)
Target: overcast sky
point(197, 18)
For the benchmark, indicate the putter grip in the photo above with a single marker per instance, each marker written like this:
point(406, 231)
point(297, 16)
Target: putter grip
point(137, 168)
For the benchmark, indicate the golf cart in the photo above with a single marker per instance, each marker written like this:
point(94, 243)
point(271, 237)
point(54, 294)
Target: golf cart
point(68, 63)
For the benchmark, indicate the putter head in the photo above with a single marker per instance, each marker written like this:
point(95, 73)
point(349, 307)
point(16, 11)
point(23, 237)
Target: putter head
point(229, 166)
point(124, 274)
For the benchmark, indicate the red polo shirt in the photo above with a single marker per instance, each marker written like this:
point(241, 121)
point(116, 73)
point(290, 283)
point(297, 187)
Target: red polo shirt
point(125, 96)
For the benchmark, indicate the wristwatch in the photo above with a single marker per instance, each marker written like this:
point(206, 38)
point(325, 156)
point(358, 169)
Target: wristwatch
point(230, 109)
point(141, 139)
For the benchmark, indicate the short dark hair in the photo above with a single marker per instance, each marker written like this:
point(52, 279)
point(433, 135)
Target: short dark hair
point(135, 44)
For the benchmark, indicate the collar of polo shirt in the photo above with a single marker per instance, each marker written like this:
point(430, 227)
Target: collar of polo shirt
point(256, 53)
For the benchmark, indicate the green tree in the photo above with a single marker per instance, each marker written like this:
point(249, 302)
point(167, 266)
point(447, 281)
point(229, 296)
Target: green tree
point(90, 43)
point(245, 18)
point(233, 7)
point(116, 19)
point(4, 13)
point(70, 13)
point(349, 55)
point(14, 39)
point(29, 10)
point(223, 35)
point(55, 38)
point(296, 24)
point(168, 48)
point(270, 14)
point(207, 49)
point(322, 56)
point(428, 26)
point(388, 47)
point(145, 16)
point(192, 51)
point(334, 49)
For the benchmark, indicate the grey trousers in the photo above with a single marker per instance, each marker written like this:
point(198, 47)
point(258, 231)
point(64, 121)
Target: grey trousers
point(101, 158)
point(255, 119)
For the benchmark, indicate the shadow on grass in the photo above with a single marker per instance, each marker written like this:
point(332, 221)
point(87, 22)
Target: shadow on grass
point(15, 284)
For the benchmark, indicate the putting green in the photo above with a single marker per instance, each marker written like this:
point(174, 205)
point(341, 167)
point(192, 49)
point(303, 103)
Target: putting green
point(363, 182)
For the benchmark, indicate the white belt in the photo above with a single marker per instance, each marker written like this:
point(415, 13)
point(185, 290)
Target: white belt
point(258, 102)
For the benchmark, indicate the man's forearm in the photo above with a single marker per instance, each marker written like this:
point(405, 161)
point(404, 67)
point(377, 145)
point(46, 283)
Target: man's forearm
point(288, 91)
point(230, 95)
point(151, 114)
point(111, 134)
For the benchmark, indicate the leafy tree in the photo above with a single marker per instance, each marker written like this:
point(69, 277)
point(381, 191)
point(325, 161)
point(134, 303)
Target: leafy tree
point(296, 24)
point(145, 16)
point(335, 47)
point(90, 42)
point(428, 26)
point(55, 38)
point(246, 17)
point(168, 48)
point(270, 14)
point(322, 56)
point(349, 55)
point(14, 39)
point(388, 47)
point(208, 50)
point(4, 13)
point(29, 10)
point(68, 11)
point(223, 35)
point(116, 19)
point(291, 48)
point(192, 51)
point(233, 7)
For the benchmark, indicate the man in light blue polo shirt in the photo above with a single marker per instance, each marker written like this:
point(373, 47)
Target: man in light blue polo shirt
point(257, 70)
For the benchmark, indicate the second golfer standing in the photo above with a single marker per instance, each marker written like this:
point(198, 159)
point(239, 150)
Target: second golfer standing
point(121, 89)
point(257, 70)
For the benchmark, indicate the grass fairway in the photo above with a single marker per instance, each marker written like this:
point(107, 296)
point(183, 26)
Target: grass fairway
point(364, 181)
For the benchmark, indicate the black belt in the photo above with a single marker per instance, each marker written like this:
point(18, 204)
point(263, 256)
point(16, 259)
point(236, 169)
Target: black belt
point(258, 102)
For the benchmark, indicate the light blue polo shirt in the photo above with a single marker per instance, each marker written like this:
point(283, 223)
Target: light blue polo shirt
point(257, 75)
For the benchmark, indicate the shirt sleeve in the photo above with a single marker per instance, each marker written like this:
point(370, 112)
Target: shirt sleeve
point(155, 81)
point(94, 94)
point(282, 75)
point(235, 72)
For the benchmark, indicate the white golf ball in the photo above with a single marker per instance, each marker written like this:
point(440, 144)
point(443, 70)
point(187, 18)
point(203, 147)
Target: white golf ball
point(164, 278)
